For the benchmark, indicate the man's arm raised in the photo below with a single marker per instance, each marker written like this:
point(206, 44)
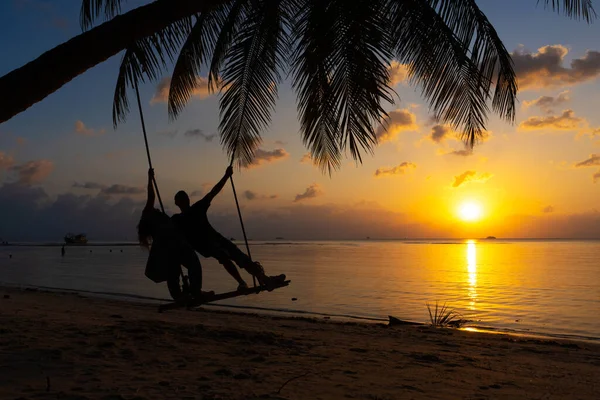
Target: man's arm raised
point(219, 186)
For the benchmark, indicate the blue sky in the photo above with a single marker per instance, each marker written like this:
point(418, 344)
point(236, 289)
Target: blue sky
point(525, 171)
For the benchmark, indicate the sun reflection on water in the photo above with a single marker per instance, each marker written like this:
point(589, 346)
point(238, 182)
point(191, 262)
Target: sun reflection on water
point(472, 270)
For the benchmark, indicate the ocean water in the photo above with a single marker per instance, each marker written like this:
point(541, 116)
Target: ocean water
point(550, 288)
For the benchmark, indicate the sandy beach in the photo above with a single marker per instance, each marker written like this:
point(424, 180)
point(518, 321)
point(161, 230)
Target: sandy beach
point(65, 346)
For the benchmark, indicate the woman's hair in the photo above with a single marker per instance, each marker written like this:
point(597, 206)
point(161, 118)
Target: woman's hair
point(144, 229)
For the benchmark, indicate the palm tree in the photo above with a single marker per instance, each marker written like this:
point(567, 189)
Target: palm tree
point(336, 51)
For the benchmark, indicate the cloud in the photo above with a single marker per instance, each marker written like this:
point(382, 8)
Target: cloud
point(397, 121)
point(306, 158)
point(21, 141)
point(311, 192)
point(398, 73)
point(592, 161)
point(114, 219)
point(115, 189)
point(280, 143)
point(88, 185)
point(122, 189)
point(397, 170)
point(198, 133)
point(33, 171)
point(99, 216)
point(545, 68)
point(206, 187)
point(265, 156)
point(547, 102)
point(439, 133)
point(567, 121)
point(548, 209)
point(162, 90)
point(6, 161)
point(462, 153)
point(83, 130)
point(250, 195)
point(470, 176)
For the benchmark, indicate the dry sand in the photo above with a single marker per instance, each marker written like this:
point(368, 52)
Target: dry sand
point(64, 346)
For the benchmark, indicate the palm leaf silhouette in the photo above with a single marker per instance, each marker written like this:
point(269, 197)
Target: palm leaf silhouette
point(338, 53)
point(146, 58)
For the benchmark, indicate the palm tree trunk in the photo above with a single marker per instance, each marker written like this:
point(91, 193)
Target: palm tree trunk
point(25, 86)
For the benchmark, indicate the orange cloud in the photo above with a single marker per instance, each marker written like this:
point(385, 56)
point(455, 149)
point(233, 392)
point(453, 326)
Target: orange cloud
point(306, 158)
point(33, 171)
point(311, 192)
point(250, 195)
point(545, 68)
point(592, 161)
point(462, 153)
point(547, 102)
point(83, 130)
point(567, 121)
point(470, 176)
point(397, 121)
point(162, 90)
point(439, 133)
point(398, 73)
point(6, 161)
point(265, 156)
point(397, 170)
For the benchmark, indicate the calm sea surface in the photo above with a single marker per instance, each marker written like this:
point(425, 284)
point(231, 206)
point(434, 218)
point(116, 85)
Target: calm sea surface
point(538, 287)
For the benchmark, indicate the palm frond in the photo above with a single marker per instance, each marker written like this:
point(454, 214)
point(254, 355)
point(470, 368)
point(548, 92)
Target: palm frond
point(487, 51)
point(341, 75)
point(91, 10)
point(313, 41)
point(455, 87)
point(193, 55)
point(235, 16)
point(253, 70)
point(146, 58)
point(576, 9)
point(360, 77)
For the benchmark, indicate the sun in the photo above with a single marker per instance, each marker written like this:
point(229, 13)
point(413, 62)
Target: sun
point(470, 211)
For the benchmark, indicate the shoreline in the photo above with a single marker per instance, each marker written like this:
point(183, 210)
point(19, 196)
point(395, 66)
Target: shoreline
point(70, 346)
point(286, 312)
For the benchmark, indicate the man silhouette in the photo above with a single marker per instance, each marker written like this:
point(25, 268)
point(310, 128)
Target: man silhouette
point(193, 223)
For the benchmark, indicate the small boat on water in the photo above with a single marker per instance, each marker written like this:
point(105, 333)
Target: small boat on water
point(76, 239)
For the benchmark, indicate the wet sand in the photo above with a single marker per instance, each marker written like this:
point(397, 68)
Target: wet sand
point(65, 346)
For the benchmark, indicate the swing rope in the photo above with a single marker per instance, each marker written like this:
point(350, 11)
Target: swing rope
point(237, 204)
point(162, 207)
point(137, 93)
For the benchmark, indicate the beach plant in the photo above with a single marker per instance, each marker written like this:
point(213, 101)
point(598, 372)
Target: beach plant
point(442, 316)
point(338, 53)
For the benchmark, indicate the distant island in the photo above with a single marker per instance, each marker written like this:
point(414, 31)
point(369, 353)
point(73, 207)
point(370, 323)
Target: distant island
point(491, 237)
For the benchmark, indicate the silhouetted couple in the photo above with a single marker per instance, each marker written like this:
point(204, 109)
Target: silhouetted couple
point(175, 239)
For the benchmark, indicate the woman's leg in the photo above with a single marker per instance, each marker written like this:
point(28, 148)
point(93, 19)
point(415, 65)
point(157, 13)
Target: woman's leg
point(192, 263)
point(173, 284)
